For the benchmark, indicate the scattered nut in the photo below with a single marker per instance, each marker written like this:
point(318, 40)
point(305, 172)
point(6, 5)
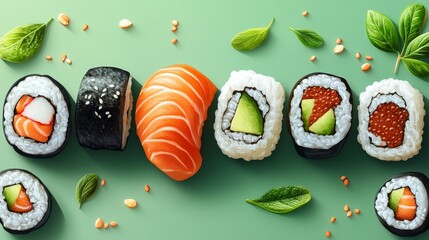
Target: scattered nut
point(174, 41)
point(175, 23)
point(131, 203)
point(313, 58)
point(343, 178)
point(328, 234)
point(49, 58)
point(346, 208)
point(85, 27)
point(68, 61)
point(339, 49)
point(369, 58)
point(99, 223)
point(333, 219)
point(63, 19)
point(125, 23)
point(173, 29)
point(113, 224)
point(357, 211)
point(305, 13)
point(365, 67)
point(147, 188)
point(63, 57)
point(358, 55)
point(346, 182)
point(349, 213)
point(339, 40)
point(103, 182)
point(106, 225)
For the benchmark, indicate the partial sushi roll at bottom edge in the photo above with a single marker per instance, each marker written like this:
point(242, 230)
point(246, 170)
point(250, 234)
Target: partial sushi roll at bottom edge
point(248, 120)
point(401, 204)
point(25, 202)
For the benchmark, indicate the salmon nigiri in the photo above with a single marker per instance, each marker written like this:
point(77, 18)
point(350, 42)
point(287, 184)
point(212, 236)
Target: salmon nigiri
point(170, 113)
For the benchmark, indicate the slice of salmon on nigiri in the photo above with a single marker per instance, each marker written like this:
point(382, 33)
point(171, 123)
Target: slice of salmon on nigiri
point(170, 114)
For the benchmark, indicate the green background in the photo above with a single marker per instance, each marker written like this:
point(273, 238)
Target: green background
point(211, 204)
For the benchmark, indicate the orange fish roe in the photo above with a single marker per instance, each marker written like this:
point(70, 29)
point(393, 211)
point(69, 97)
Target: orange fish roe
point(325, 99)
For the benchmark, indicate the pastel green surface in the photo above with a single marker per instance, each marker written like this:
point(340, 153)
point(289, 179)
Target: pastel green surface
point(211, 204)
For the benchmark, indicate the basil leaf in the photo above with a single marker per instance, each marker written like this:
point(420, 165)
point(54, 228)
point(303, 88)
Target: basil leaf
point(411, 22)
point(282, 199)
point(419, 47)
point(251, 39)
point(382, 32)
point(22, 42)
point(86, 187)
point(417, 67)
point(308, 37)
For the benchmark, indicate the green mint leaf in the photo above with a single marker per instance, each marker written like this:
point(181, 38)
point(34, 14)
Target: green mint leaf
point(22, 42)
point(382, 32)
point(251, 39)
point(411, 22)
point(308, 37)
point(417, 67)
point(418, 47)
point(282, 199)
point(86, 187)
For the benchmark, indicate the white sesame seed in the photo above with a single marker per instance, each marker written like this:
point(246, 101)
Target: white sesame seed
point(115, 96)
point(90, 96)
point(107, 113)
point(96, 88)
point(96, 113)
point(100, 107)
point(86, 96)
point(109, 116)
point(99, 116)
point(102, 95)
point(100, 101)
point(111, 85)
point(104, 89)
point(118, 93)
point(87, 103)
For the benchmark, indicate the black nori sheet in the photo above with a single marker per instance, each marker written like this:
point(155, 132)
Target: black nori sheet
point(318, 153)
point(94, 128)
point(69, 124)
point(406, 233)
point(47, 213)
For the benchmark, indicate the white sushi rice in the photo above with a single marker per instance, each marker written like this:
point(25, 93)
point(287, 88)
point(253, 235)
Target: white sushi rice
point(37, 86)
point(343, 116)
point(275, 97)
point(389, 89)
point(35, 191)
point(387, 214)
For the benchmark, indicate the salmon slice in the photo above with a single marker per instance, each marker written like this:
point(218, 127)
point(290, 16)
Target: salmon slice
point(28, 128)
point(170, 114)
point(23, 101)
point(407, 206)
point(22, 203)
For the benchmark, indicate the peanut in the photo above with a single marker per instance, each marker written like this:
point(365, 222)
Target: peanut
point(357, 211)
point(63, 57)
point(113, 224)
point(173, 29)
point(175, 23)
point(63, 19)
point(147, 188)
point(328, 234)
point(346, 208)
point(85, 27)
point(305, 13)
point(99, 223)
point(369, 58)
point(49, 58)
point(339, 49)
point(358, 55)
point(346, 182)
point(339, 40)
point(365, 67)
point(131, 203)
point(103, 182)
point(313, 58)
point(349, 213)
point(68, 61)
point(174, 40)
point(333, 219)
point(125, 23)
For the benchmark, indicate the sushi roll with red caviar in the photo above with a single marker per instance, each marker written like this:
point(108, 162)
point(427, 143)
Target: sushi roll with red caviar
point(391, 120)
point(320, 115)
point(36, 116)
point(401, 204)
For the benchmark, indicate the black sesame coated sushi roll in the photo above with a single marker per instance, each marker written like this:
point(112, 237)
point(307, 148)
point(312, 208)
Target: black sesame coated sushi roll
point(25, 202)
point(401, 204)
point(36, 116)
point(320, 115)
point(103, 108)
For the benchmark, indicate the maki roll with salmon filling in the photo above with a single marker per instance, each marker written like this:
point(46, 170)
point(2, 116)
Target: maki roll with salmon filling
point(36, 116)
point(103, 108)
point(25, 202)
point(249, 115)
point(401, 204)
point(391, 120)
point(320, 115)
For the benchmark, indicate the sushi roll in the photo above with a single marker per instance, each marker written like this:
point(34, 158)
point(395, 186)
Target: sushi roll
point(391, 119)
point(320, 115)
point(25, 202)
point(36, 116)
point(103, 108)
point(249, 115)
point(401, 204)
point(170, 114)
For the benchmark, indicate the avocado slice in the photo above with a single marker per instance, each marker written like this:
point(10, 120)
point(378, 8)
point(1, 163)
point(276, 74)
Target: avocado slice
point(248, 117)
point(11, 193)
point(395, 197)
point(307, 106)
point(325, 125)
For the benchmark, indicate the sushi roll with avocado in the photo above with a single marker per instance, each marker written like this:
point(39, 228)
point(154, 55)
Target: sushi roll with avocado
point(103, 108)
point(249, 115)
point(36, 116)
point(25, 202)
point(401, 204)
point(320, 115)
point(391, 119)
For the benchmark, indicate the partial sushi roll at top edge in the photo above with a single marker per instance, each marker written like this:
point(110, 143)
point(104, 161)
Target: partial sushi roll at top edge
point(25, 202)
point(401, 204)
point(320, 115)
point(248, 120)
point(103, 108)
point(391, 120)
point(170, 114)
point(36, 116)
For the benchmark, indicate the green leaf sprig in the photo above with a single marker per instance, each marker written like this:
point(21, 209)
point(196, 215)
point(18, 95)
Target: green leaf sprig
point(251, 39)
point(383, 34)
point(308, 37)
point(21, 43)
point(86, 188)
point(282, 199)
